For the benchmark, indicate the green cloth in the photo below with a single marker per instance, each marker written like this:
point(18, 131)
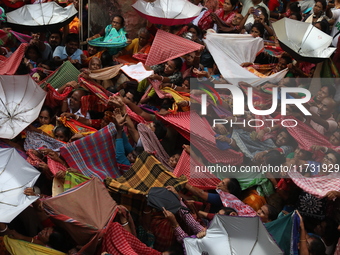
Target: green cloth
point(64, 74)
point(74, 179)
point(281, 231)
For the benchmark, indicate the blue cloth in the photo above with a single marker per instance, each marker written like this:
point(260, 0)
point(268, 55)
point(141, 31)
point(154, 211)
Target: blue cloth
point(123, 147)
point(60, 52)
point(223, 145)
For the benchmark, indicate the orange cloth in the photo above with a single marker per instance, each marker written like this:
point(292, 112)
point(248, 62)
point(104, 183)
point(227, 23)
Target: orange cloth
point(253, 199)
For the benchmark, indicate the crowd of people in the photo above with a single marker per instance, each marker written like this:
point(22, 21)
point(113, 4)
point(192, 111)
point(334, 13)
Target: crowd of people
point(150, 117)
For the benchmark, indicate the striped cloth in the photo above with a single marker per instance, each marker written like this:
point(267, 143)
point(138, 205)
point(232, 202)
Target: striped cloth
point(152, 145)
point(36, 140)
point(11, 64)
point(94, 155)
point(192, 127)
point(64, 74)
point(163, 49)
point(229, 200)
point(130, 189)
point(54, 98)
point(317, 186)
point(186, 166)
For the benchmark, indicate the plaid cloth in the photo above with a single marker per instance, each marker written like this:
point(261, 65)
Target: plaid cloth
point(94, 155)
point(118, 241)
point(192, 127)
point(36, 140)
point(186, 166)
point(151, 144)
point(54, 98)
point(92, 103)
point(163, 49)
point(64, 74)
point(130, 189)
point(11, 64)
point(317, 186)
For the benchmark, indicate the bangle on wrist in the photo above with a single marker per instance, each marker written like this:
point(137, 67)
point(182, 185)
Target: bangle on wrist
point(1, 231)
point(162, 78)
point(147, 212)
point(125, 224)
point(32, 240)
point(269, 129)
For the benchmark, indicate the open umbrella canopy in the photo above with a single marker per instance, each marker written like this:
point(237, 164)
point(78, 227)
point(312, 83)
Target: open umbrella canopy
point(159, 197)
point(20, 102)
point(41, 17)
point(16, 174)
point(231, 235)
point(305, 42)
point(167, 12)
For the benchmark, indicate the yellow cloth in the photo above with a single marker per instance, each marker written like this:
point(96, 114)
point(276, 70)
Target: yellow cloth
point(48, 129)
point(19, 247)
point(135, 45)
point(178, 98)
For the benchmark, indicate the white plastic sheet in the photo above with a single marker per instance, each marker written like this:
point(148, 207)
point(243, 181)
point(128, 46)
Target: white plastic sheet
point(136, 72)
point(229, 51)
point(16, 174)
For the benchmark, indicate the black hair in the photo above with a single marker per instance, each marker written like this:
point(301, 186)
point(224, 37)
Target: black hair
point(160, 129)
point(198, 30)
point(331, 90)
point(228, 210)
point(56, 32)
point(316, 246)
point(134, 92)
point(265, 14)
point(65, 130)
point(112, 89)
point(59, 240)
point(259, 27)
point(274, 158)
point(121, 18)
point(33, 47)
point(106, 59)
point(324, 25)
point(175, 250)
point(48, 109)
point(272, 212)
point(337, 155)
point(178, 63)
point(290, 139)
point(49, 63)
point(234, 187)
point(72, 38)
point(287, 57)
point(297, 15)
point(295, 7)
point(234, 3)
point(323, 2)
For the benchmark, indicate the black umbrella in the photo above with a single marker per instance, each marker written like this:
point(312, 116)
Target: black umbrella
point(161, 197)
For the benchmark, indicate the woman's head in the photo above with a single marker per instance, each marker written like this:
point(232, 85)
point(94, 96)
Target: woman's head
point(227, 211)
point(302, 154)
point(62, 133)
point(263, 16)
point(230, 185)
point(189, 58)
point(55, 238)
point(195, 31)
point(319, 7)
point(229, 5)
point(173, 160)
point(295, 7)
point(118, 22)
point(329, 161)
point(322, 25)
point(326, 90)
point(46, 115)
point(334, 139)
point(284, 138)
point(296, 16)
point(267, 213)
point(95, 63)
point(92, 50)
point(315, 245)
point(257, 30)
point(173, 66)
point(33, 53)
point(143, 36)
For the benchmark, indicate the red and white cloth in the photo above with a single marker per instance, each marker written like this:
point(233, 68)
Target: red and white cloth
point(163, 49)
point(229, 200)
point(317, 186)
point(11, 64)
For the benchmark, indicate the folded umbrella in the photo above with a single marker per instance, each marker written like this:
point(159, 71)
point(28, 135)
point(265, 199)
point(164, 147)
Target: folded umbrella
point(305, 42)
point(41, 17)
point(167, 12)
point(21, 100)
point(16, 174)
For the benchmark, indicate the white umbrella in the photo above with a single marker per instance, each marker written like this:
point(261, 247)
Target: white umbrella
point(16, 174)
point(231, 235)
point(20, 102)
point(41, 17)
point(305, 42)
point(167, 12)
